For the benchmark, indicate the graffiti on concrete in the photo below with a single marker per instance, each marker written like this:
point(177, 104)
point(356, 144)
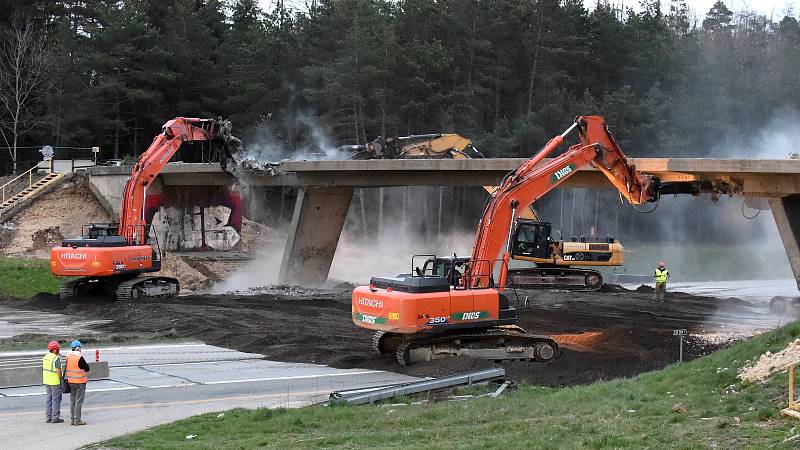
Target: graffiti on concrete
point(196, 218)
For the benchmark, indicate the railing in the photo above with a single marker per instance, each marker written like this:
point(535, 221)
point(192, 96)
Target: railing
point(793, 407)
point(29, 173)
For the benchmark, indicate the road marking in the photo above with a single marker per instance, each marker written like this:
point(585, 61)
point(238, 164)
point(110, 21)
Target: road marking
point(30, 394)
point(170, 385)
point(298, 377)
point(180, 402)
point(193, 363)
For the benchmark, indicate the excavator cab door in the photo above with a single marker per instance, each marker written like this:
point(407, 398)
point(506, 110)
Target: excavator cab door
point(531, 238)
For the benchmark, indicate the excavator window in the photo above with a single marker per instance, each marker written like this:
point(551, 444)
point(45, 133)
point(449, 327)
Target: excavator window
point(532, 238)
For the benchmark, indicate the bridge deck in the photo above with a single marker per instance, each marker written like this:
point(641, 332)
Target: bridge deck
point(758, 178)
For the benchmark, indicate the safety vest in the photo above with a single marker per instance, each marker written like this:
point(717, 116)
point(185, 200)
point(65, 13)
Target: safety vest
point(49, 370)
point(74, 374)
point(661, 275)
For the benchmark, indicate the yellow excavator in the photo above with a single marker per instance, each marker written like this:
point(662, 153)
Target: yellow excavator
point(559, 264)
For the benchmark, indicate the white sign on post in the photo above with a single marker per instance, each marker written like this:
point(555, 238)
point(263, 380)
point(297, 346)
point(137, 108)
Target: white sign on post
point(681, 334)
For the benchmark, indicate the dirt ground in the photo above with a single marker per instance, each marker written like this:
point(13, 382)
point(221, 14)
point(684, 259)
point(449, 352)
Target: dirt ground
point(615, 333)
point(62, 213)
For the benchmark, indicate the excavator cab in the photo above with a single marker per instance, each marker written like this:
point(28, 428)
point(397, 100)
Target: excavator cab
point(532, 238)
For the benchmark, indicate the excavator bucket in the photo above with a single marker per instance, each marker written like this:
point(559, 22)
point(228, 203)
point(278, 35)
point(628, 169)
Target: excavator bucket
point(232, 152)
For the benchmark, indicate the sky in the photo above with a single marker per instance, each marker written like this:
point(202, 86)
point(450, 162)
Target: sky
point(700, 7)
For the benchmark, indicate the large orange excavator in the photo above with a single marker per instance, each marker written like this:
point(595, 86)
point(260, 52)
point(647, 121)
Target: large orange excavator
point(110, 257)
point(458, 306)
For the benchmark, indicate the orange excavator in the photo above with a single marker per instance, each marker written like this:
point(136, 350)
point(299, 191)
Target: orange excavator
point(110, 257)
point(459, 306)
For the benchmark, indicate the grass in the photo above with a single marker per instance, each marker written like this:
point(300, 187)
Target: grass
point(631, 413)
point(24, 278)
point(32, 341)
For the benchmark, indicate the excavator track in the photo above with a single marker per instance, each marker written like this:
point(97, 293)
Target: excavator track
point(93, 288)
point(148, 287)
point(377, 343)
point(87, 288)
point(566, 278)
point(496, 344)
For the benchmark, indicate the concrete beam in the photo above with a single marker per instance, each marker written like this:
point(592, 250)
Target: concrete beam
point(786, 212)
point(28, 371)
point(318, 219)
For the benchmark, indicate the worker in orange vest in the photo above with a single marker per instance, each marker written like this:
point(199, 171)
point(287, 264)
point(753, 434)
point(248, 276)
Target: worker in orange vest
point(77, 375)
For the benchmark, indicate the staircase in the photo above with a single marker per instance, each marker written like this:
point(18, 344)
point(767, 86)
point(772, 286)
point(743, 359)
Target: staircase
point(17, 191)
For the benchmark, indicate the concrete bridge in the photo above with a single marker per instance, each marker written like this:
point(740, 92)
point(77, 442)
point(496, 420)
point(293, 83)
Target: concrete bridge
point(325, 190)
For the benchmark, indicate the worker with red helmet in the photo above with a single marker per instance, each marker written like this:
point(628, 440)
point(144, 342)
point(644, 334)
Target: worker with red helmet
point(661, 276)
point(51, 376)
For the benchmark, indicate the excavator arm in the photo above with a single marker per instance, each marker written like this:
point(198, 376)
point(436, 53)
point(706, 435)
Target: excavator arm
point(174, 133)
point(537, 176)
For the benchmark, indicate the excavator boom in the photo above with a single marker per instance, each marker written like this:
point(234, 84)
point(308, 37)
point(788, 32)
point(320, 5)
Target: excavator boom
point(536, 177)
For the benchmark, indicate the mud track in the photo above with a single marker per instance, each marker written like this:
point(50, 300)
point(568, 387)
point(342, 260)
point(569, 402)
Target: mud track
point(609, 334)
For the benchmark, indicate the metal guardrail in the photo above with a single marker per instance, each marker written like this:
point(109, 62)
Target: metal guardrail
point(420, 386)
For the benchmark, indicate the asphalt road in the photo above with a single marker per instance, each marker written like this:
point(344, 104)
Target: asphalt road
point(157, 384)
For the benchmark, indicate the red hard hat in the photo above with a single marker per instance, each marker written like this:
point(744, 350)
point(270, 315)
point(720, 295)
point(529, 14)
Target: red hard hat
point(53, 345)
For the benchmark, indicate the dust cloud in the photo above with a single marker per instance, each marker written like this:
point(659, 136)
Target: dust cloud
point(263, 270)
point(264, 146)
point(391, 253)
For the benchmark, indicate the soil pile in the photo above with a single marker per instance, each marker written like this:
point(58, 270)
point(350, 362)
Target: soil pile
point(46, 239)
point(769, 363)
point(61, 213)
point(191, 280)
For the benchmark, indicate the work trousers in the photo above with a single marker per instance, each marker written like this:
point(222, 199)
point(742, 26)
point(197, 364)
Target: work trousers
point(52, 402)
point(661, 289)
point(77, 391)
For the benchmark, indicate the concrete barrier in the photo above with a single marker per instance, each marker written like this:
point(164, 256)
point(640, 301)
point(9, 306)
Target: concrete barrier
point(27, 371)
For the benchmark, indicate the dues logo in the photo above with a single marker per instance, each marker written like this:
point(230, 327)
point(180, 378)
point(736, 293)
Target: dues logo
point(566, 170)
point(470, 315)
point(370, 302)
point(74, 256)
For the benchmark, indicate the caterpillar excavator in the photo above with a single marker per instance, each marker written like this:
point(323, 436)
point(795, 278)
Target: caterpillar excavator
point(109, 258)
point(423, 146)
point(557, 265)
point(459, 306)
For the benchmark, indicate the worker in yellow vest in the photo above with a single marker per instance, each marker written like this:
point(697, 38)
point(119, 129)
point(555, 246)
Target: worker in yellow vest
point(51, 376)
point(77, 375)
point(661, 276)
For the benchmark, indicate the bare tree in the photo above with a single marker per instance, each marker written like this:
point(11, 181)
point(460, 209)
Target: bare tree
point(24, 64)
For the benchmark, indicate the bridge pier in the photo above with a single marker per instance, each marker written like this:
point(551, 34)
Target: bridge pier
point(786, 211)
point(317, 222)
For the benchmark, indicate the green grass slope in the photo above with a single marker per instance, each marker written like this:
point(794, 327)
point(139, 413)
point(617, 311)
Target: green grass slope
point(633, 413)
point(24, 278)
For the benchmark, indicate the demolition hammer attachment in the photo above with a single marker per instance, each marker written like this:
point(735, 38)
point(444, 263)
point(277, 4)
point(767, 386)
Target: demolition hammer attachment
point(232, 153)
